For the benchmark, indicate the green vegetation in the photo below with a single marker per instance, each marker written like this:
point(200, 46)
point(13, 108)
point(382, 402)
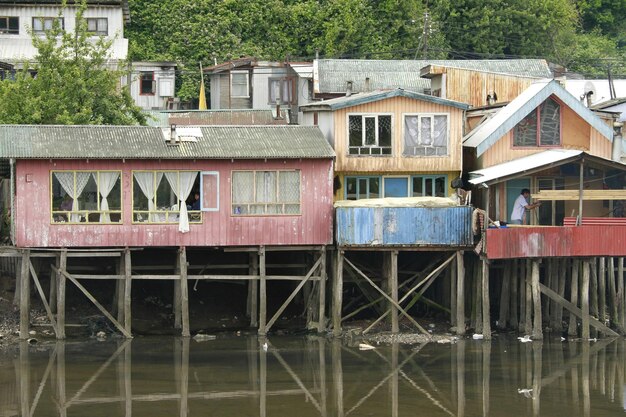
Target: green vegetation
point(584, 35)
point(73, 84)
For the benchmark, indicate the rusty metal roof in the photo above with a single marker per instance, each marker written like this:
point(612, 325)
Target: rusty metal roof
point(242, 117)
point(145, 142)
point(332, 75)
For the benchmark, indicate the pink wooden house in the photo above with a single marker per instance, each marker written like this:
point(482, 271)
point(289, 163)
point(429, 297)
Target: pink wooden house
point(112, 186)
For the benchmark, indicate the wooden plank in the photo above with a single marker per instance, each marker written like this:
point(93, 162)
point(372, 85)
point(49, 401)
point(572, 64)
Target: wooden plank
point(25, 295)
point(321, 316)
point(127, 293)
point(584, 300)
point(42, 296)
point(575, 310)
point(393, 289)
point(262, 293)
point(94, 301)
point(253, 290)
point(573, 328)
point(61, 296)
point(184, 292)
point(537, 322)
point(176, 277)
point(338, 292)
point(94, 276)
point(460, 294)
point(573, 195)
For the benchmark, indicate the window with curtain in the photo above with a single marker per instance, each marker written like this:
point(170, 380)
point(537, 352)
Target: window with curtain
point(166, 197)
point(239, 84)
point(542, 127)
point(281, 90)
point(86, 196)
point(369, 134)
point(259, 193)
point(43, 24)
point(426, 135)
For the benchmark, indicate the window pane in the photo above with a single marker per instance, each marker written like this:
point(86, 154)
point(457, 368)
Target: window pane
point(92, 25)
point(428, 187)
point(440, 187)
point(411, 135)
point(239, 84)
point(351, 184)
point(370, 131)
point(115, 195)
point(289, 186)
point(440, 134)
point(425, 131)
point(286, 91)
point(243, 187)
point(396, 187)
point(363, 188)
point(37, 25)
point(165, 197)
point(266, 187)
point(355, 130)
point(384, 130)
point(140, 201)
point(374, 191)
point(525, 133)
point(103, 26)
point(274, 90)
point(418, 186)
point(550, 120)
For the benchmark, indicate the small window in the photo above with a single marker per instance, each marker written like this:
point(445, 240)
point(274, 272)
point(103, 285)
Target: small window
point(9, 25)
point(98, 26)
point(259, 193)
point(426, 135)
point(239, 85)
point(369, 135)
point(429, 186)
point(43, 24)
point(147, 85)
point(542, 127)
point(210, 191)
point(362, 187)
point(396, 186)
point(281, 90)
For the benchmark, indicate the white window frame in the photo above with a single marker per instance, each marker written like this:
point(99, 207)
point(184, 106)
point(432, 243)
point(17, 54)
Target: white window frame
point(98, 32)
point(364, 133)
point(216, 174)
point(432, 130)
point(43, 19)
point(276, 203)
point(237, 72)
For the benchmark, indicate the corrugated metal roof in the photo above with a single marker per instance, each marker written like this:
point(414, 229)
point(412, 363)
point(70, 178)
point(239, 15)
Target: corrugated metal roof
point(363, 98)
point(331, 75)
point(242, 117)
point(145, 142)
point(489, 132)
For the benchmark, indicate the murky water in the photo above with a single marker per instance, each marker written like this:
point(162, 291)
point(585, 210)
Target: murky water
point(310, 376)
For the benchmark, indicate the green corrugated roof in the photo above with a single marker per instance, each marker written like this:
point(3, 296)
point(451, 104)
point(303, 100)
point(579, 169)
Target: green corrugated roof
point(145, 142)
point(363, 98)
point(332, 75)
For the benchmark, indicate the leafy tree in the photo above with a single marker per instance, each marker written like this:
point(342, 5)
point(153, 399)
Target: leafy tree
point(73, 83)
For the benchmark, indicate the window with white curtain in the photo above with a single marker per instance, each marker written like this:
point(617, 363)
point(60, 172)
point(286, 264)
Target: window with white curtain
point(425, 135)
point(86, 196)
point(166, 197)
point(258, 193)
point(239, 83)
point(281, 90)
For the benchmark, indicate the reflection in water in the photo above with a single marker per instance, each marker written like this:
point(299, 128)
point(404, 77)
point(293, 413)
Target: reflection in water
point(285, 376)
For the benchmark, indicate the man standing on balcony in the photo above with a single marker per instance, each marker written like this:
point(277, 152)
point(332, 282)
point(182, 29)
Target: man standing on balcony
point(518, 215)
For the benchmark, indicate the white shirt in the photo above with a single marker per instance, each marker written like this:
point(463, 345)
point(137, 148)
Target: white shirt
point(519, 207)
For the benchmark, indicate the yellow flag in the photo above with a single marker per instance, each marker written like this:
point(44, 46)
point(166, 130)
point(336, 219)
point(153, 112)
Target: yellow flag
point(202, 100)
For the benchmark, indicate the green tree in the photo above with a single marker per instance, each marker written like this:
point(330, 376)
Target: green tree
point(73, 83)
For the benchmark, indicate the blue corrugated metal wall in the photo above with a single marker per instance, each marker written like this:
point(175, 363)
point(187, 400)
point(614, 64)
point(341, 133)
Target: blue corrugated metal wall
point(404, 226)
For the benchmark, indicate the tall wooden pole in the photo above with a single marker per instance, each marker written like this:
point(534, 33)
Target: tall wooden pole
point(61, 296)
point(460, 294)
point(127, 291)
point(25, 295)
point(572, 330)
point(486, 305)
point(393, 289)
point(184, 292)
point(262, 294)
point(505, 294)
point(253, 289)
point(537, 330)
point(337, 293)
point(321, 322)
point(584, 295)
point(602, 290)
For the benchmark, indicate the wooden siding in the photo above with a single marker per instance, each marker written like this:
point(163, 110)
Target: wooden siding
point(472, 87)
point(312, 227)
point(397, 107)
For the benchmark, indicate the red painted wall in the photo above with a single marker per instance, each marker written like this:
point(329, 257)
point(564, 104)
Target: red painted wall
point(312, 227)
point(540, 242)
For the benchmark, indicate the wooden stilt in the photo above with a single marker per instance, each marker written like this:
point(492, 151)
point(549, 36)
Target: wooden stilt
point(337, 293)
point(25, 295)
point(620, 292)
point(486, 316)
point(127, 292)
point(452, 271)
point(613, 294)
point(176, 301)
point(572, 329)
point(602, 290)
point(547, 273)
point(262, 293)
point(393, 289)
point(593, 287)
point(54, 287)
point(486, 374)
point(528, 320)
point(513, 309)
point(478, 296)
point(321, 316)
point(584, 295)
point(558, 324)
point(61, 296)
point(522, 296)
point(253, 289)
point(184, 292)
point(505, 294)
point(460, 294)
point(119, 289)
point(537, 330)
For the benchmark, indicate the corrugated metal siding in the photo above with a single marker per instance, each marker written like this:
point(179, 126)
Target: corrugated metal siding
point(404, 226)
point(397, 107)
point(543, 242)
point(312, 227)
point(117, 142)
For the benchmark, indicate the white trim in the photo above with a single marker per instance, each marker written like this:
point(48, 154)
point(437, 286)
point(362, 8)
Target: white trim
point(247, 72)
point(377, 145)
point(217, 176)
point(432, 126)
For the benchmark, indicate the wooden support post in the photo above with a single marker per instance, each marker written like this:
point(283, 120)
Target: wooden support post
point(513, 309)
point(453, 293)
point(176, 301)
point(528, 321)
point(25, 295)
point(262, 293)
point(119, 289)
point(613, 294)
point(620, 291)
point(593, 287)
point(486, 315)
point(253, 289)
point(337, 293)
point(393, 289)
point(53, 287)
point(522, 296)
point(584, 295)
point(537, 330)
point(562, 272)
point(505, 294)
point(572, 329)
point(321, 316)
point(460, 294)
point(127, 292)
point(61, 296)
point(602, 290)
point(184, 291)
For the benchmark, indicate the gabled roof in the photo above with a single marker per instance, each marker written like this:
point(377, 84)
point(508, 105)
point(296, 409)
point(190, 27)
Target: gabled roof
point(535, 163)
point(489, 132)
point(331, 75)
point(145, 142)
point(363, 98)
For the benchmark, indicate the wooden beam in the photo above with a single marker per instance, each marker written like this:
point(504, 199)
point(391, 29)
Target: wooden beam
point(253, 290)
point(127, 294)
point(184, 292)
point(321, 316)
point(393, 289)
point(573, 195)
point(537, 321)
point(94, 301)
point(262, 293)
point(573, 328)
point(460, 294)
point(42, 296)
point(25, 295)
point(61, 296)
point(338, 292)
point(584, 300)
